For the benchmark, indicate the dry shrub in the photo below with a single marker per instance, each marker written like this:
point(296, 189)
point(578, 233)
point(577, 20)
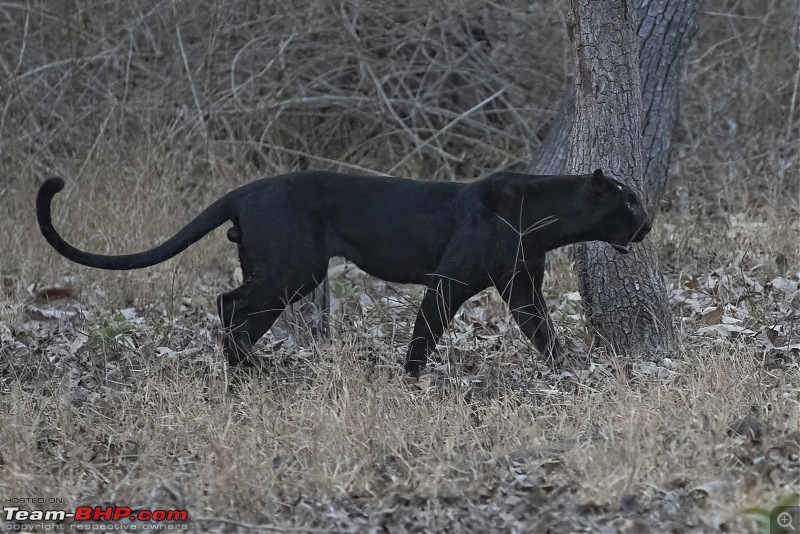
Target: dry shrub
point(737, 142)
point(418, 89)
point(181, 101)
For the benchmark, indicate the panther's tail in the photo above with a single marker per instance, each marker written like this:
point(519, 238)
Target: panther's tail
point(215, 215)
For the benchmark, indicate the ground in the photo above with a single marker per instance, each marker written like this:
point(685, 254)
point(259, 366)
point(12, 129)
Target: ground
point(136, 407)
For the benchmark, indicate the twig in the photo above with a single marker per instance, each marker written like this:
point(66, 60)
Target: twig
point(304, 154)
point(23, 46)
point(103, 127)
point(447, 126)
point(189, 76)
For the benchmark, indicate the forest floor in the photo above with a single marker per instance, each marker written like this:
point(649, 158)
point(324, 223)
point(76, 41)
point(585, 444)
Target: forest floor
point(134, 406)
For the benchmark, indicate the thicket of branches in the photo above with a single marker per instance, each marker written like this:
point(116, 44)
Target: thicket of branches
point(449, 90)
point(434, 91)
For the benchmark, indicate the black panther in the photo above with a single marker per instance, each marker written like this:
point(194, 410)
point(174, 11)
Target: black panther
point(456, 238)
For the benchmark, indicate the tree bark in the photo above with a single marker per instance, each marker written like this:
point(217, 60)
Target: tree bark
point(632, 313)
point(624, 295)
point(551, 158)
point(665, 28)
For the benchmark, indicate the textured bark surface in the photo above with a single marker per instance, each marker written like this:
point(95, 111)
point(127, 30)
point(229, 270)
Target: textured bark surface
point(551, 158)
point(665, 28)
point(624, 295)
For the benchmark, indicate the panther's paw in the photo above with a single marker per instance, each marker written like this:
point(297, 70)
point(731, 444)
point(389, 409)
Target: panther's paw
point(414, 368)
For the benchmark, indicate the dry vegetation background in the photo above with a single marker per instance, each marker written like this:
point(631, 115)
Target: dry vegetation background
point(112, 386)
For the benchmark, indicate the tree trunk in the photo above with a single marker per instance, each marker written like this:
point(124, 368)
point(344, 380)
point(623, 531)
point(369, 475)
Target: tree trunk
point(624, 295)
point(551, 158)
point(665, 28)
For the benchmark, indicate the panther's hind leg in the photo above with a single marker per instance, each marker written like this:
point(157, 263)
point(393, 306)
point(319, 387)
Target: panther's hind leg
point(280, 264)
point(251, 309)
point(245, 322)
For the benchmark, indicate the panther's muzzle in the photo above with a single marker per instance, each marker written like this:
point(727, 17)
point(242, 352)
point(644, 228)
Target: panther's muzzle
point(640, 235)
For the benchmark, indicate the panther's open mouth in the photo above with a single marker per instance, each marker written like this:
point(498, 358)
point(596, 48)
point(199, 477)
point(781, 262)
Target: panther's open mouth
point(640, 235)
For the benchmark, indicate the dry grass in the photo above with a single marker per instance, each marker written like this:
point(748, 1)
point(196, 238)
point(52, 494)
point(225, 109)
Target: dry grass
point(156, 110)
point(307, 451)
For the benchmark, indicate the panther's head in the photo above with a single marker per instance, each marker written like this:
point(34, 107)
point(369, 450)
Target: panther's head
point(623, 219)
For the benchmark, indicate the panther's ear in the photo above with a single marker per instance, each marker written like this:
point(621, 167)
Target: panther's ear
point(598, 181)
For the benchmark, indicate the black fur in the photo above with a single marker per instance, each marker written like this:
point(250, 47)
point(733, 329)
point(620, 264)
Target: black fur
point(456, 238)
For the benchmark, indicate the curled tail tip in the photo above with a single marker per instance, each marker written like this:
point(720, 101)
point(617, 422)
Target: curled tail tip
point(51, 186)
point(44, 198)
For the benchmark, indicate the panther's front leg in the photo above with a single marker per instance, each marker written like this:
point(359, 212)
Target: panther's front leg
point(443, 298)
point(459, 275)
point(523, 293)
